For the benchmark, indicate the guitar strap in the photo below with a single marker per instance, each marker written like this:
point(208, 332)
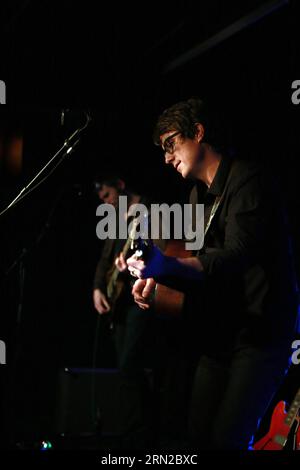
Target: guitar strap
point(217, 202)
point(212, 213)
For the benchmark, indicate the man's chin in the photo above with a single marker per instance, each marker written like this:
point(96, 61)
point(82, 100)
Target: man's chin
point(185, 173)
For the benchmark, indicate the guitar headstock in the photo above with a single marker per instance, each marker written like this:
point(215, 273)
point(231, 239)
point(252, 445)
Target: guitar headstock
point(139, 226)
point(142, 248)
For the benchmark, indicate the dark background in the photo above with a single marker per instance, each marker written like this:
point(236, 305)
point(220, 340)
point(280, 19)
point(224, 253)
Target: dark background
point(111, 60)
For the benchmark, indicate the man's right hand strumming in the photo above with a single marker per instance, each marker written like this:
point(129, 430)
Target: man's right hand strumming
point(142, 290)
point(100, 302)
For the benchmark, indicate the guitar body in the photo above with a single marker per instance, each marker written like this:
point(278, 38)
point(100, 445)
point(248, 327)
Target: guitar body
point(119, 287)
point(115, 288)
point(297, 437)
point(115, 280)
point(169, 301)
point(276, 438)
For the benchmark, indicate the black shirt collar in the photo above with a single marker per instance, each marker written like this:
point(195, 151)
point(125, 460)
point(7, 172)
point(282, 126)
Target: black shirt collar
point(218, 183)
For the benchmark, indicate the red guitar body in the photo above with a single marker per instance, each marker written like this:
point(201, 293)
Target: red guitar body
point(276, 438)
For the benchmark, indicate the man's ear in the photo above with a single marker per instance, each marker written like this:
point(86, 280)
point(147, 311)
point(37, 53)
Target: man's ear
point(121, 185)
point(199, 131)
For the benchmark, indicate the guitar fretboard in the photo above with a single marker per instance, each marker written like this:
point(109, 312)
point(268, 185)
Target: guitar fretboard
point(115, 274)
point(293, 410)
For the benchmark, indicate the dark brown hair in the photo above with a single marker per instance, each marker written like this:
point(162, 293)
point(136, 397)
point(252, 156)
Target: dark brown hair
point(107, 179)
point(183, 117)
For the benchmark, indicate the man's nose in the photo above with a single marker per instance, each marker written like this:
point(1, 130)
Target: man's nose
point(168, 157)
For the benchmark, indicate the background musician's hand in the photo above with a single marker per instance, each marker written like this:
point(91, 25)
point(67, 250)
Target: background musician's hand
point(100, 301)
point(121, 263)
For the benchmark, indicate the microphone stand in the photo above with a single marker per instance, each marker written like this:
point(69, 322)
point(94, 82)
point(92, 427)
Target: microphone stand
point(16, 340)
point(67, 147)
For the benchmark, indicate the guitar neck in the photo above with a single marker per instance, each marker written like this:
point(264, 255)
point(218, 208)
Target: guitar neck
point(126, 246)
point(293, 410)
point(115, 272)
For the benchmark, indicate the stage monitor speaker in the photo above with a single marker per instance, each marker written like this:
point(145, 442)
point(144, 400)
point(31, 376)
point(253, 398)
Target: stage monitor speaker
point(87, 401)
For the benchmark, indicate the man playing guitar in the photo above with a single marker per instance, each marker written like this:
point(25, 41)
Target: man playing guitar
point(132, 326)
point(241, 292)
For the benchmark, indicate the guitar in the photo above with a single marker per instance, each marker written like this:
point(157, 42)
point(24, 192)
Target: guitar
point(280, 428)
point(115, 283)
point(166, 301)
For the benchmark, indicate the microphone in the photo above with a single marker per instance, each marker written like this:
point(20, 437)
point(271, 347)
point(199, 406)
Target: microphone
point(88, 115)
point(63, 115)
point(77, 131)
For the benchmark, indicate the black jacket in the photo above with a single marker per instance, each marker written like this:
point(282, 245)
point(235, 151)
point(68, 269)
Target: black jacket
point(249, 292)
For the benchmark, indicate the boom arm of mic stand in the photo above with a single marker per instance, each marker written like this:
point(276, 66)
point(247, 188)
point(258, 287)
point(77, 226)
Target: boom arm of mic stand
point(65, 154)
point(69, 150)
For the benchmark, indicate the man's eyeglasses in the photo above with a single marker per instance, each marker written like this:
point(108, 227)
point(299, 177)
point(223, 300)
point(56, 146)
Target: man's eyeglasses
point(169, 144)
